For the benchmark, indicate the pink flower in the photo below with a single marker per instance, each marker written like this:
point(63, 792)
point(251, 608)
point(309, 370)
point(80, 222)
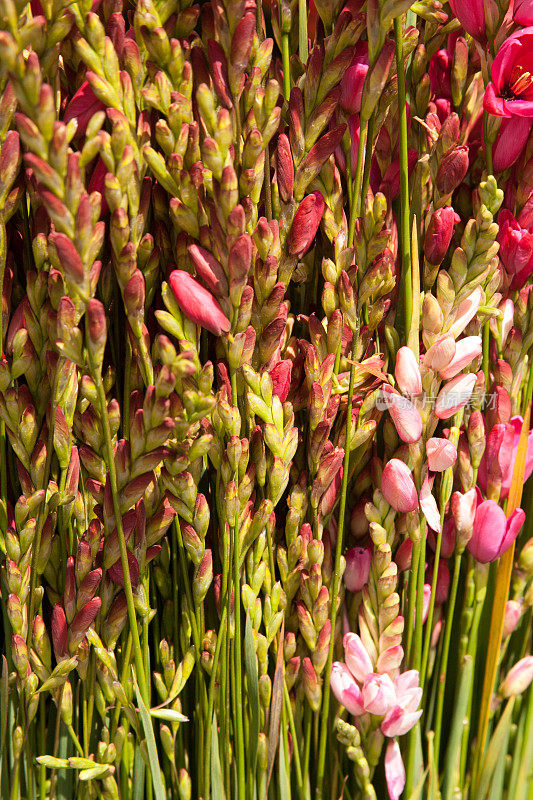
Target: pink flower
point(358, 561)
point(523, 12)
point(404, 715)
point(379, 694)
point(441, 454)
point(510, 141)
point(454, 395)
point(464, 512)
point(439, 355)
point(518, 678)
point(356, 656)
point(505, 453)
point(471, 15)
point(516, 249)
point(407, 372)
point(405, 415)
point(81, 107)
point(440, 74)
point(398, 487)
point(513, 612)
point(394, 770)
point(510, 93)
point(493, 533)
point(466, 350)
point(345, 689)
point(466, 311)
point(353, 80)
point(197, 303)
point(428, 505)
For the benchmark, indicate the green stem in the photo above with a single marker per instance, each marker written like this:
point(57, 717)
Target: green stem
point(445, 653)
point(411, 603)
point(302, 30)
point(355, 208)
point(285, 58)
point(405, 233)
point(488, 144)
point(295, 749)
point(324, 727)
point(429, 621)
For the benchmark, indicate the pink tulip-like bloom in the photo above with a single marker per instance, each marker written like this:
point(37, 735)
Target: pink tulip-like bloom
point(510, 141)
point(518, 678)
point(379, 695)
point(510, 93)
point(516, 249)
point(405, 415)
point(394, 770)
point(404, 714)
point(358, 560)
point(454, 395)
point(346, 689)
point(407, 372)
point(466, 350)
point(197, 303)
point(353, 80)
point(471, 15)
point(523, 12)
point(503, 454)
point(398, 487)
point(356, 656)
point(493, 533)
point(441, 454)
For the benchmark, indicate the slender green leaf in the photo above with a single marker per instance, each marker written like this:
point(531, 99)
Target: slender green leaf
point(453, 751)
point(4, 689)
point(217, 782)
point(157, 781)
point(275, 709)
point(490, 759)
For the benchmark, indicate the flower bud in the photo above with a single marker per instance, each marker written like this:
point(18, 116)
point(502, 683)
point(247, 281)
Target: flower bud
point(439, 234)
point(518, 678)
point(305, 224)
point(358, 560)
point(452, 170)
point(197, 303)
point(398, 487)
point(407, 372)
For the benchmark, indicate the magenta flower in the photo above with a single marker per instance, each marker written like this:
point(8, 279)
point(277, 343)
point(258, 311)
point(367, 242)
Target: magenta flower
point(523, 12)
point(353, 80)
point(81, 107)
point(493, 533)
point(439, 234)
point(440, 74)
point(471, 15)
point(516, 249)
point(358, 561)
point(510, 93)
point(510, 141)
point(504, 454)
point(197, 303)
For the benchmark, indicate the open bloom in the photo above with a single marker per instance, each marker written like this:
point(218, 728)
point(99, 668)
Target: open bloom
point(346, 689)
point(379, 694)
point(403, 715)
point(493, 533)
point(510, 92)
